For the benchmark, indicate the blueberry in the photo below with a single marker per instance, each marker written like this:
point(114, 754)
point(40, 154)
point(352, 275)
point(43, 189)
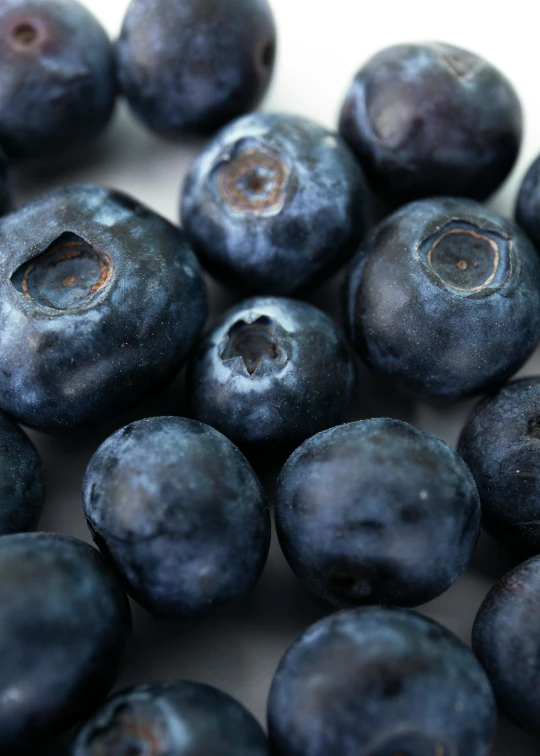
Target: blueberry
point(101, 300)
point(184, 718)
point(271, 373)
point(180, 513)
point(21, 480)
point(444, 298)
point(194, 65)
point(506, 639)
point(380, 682)
point(432, 119)
point(64, 626)
point(57, 79)
point(274, 203)
point(528, 204)
point(5, 185)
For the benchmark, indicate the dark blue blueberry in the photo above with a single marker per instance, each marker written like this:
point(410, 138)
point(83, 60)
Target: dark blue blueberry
point(181, 514)
point(64, 627)
point(377, 511)
point(274, 203)
point(194, 65)
point(444, 298)
point(432, 119)
point(57, 79)
point(172, 719)
point(380, 682)
point(506, 639)
point(273, 372)
point(528, 204)
point(21, 480)
point(5, 186)
point(100, 301)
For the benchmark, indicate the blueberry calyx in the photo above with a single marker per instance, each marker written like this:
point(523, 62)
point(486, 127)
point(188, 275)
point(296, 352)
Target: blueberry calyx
point(26, 34)
point(254, 342)
point(129, 733)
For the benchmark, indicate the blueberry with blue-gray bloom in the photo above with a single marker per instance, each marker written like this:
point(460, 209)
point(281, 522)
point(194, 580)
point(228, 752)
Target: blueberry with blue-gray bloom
point(57, 78)
point(179, 718)
point(64, 627)
point(5, 186)
point(194, 65)
point(443, 299)
point(101, 300)
point(528, 203)
point(179, 511)
point(380, 682)
point(275, 203)
point(432, 119)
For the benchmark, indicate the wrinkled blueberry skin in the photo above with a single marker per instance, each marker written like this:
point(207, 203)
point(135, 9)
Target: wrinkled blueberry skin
point(505, 638)
point(181, 514)
point(378, 682)
point(272, 373)
point(194, 65)
point(528, 204)
point(377, 511)
point(82, 340)
point(184, 718)
point(57, 78)
point(432, 119)
point(5, 186)
point(22, 490)
point(444, 299)
point(64, 626)
point(274, 203)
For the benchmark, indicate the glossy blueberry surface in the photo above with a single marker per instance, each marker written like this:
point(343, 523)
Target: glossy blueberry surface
point(21, 479)
point(444, 298)
point(5, 185)
point(274, 203)
point(172, 719)
point(57, 80)
point(194, 65)
point(64, 626)
point(100, 301)
point(528, 203)
point(432, 119)
point(271, 373)
point(180, 512)
point(380, 682)
point(506, 639)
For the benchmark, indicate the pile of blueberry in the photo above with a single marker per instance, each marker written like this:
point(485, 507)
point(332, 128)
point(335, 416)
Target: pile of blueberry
point(103, 301)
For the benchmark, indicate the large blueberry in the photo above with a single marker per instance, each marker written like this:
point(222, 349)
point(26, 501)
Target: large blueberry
point(506, 639)
point(21, 479)
point(273, 372)
point(194, 65)
point(64, 626)
point(180, 513)
point(444, 298)
point(5, 185)
point(380, 682)
point(528, 203)
point(100, 301)
point(57, 80)
point(432, 119)
point(174, 719)
point(274, 203)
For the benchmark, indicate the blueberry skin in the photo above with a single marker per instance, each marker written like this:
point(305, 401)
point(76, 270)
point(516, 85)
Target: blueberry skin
point(180, 718)
point(64, 626)
point(378, 682)
point(100, 302)
point(57, 77)
point(432, 119)
point(22, 490)
point(528, 203)
point(194, 65)
point(444, 299)
point(5, 186)
point(181, 514)
point(275, 203)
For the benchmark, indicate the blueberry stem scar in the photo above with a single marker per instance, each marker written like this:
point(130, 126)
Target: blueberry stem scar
point(463, 264)
point(254, 181)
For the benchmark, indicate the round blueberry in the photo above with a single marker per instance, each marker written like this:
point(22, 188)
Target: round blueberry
point(57, 80)
point(273, 372)
point(101, 300)
point(64, 627)
point(5, 185)
point(194, 65)
point(528, 204)
point(380, 682)
point(184, 718)
point(274, 203)
point(180, 513)
point(432, 119)
point(444, 298)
